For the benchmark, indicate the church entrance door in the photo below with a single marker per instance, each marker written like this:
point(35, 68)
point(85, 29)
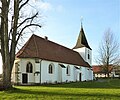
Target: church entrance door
point(79, 76)
point(24, 78)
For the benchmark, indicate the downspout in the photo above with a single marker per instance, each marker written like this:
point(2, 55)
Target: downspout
point(40, 70)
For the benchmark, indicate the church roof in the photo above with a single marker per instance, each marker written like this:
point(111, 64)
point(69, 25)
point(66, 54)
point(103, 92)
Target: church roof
point(37, 47)
point(82, 41)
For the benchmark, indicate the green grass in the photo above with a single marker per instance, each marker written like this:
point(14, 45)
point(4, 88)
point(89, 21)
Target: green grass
point(97, 90)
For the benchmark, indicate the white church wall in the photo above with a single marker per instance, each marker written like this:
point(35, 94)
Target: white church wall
point(70, 77)
point(84, 54)
point(37, 72)
point(64, 75)
point(87, 74)
point(31, 78)
point(23, 64)
point(84, 75)
point(61, 73)
point(37, 67)
point(58, 75)
point(46, 77)
point(88, 59)
point(72, 73)
point(91, 74)
point(81, 51)
point(15, 76)
point(75, 74)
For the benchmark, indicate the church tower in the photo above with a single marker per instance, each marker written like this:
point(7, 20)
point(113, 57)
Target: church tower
point(83, 47)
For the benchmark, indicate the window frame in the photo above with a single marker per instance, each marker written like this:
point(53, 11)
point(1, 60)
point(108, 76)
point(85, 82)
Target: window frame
point(29, 67)
point(51, 69)
point(88, 54)
point(68, 70)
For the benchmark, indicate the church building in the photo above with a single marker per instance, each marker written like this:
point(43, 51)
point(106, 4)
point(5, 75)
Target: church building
point(41, 61)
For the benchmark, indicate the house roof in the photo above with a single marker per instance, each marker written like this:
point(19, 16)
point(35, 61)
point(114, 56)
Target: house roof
point(82, 41)
point(37, 47)
point(100, 69)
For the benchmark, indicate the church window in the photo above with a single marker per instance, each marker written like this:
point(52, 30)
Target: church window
point(88, 55)
point(68, 70)
point(36, 60)
point(50, 69)
point(29, 67)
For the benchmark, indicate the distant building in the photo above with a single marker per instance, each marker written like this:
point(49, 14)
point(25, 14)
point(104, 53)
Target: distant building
point(43, 61)
point(99, 72)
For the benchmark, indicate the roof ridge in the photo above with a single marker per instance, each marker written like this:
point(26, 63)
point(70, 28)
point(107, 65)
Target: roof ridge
point(55, 43)
point(35, 45)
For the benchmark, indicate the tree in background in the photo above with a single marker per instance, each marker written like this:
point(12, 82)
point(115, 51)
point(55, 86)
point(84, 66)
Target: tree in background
point(15, 19)
point(108, 52)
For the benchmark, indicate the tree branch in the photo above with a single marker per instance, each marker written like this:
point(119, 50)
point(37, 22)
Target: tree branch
point(24, 29)
point(28, 19)
point(23, 4)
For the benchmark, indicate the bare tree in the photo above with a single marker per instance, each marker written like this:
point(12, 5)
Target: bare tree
point(108, 52)
point(14, 21)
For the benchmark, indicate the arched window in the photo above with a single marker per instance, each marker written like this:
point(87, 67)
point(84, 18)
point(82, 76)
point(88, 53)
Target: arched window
point(88, 54)
point(29, 67)
point(50, 69)
point(68, 70)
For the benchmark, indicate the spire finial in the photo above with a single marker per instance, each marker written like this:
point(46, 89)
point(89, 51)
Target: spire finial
point(81, 19)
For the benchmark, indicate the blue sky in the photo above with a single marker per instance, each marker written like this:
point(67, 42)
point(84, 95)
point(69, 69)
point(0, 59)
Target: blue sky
point(61, 20)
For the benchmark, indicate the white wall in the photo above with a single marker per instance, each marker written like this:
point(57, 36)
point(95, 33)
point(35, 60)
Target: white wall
point(58, 75)
point(84, 54)
point(81, 51)
point(45, 76)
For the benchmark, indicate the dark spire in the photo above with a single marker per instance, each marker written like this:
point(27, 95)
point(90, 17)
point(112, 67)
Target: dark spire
point(82, 41)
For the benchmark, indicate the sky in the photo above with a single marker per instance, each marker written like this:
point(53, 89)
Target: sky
point(61, 21)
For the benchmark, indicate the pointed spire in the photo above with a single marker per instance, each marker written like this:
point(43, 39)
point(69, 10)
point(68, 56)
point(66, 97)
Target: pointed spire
point(82, 41)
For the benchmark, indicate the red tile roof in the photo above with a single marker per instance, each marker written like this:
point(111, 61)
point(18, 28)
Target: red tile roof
point(99, 69)
point(37, 47)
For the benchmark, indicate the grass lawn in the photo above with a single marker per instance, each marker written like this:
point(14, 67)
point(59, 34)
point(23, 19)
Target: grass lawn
point(97, 90)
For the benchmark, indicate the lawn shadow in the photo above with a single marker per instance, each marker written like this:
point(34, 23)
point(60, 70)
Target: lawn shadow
point(108, 84)
point(60, 94)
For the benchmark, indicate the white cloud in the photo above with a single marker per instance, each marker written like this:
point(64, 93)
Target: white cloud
point(45, 6)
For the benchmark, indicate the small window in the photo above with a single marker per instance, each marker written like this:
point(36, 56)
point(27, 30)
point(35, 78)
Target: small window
point(50, 69)
point(68, 70)
point(29, 67)
point(88, 55)
point(36, 60)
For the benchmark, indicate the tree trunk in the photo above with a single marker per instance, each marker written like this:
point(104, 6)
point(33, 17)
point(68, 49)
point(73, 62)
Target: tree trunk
point(10, 36)
point(108, 75)
point(6, 76)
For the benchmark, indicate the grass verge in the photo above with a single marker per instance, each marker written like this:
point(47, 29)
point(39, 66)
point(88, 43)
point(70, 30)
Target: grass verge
point(96, 90)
